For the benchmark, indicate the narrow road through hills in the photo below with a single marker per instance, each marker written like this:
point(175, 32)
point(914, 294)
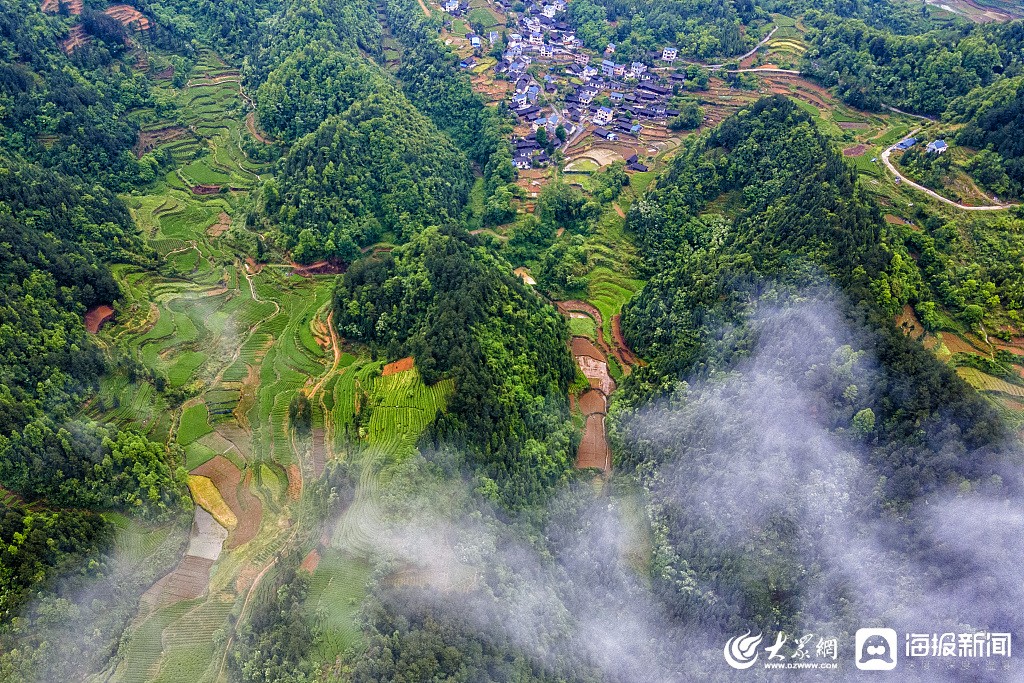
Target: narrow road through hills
point(931, 193)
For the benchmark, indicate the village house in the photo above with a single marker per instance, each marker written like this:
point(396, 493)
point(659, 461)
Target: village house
point(569, 40)
point(514, 39)
point(546, 50)
point(669, 54)
point(536, 38)
point(936, 147)
point(493, 37)
point(549, 11)
point(450, 6)
point(603, 116)
point(607, 135)
point(609, 49)
point(582, 58)
point(607, 67)
point(637, 68)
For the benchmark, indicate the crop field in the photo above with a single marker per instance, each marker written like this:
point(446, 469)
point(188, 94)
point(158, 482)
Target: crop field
point(985, 382)
point(335, 593)
point(484, 16)
point(401, 408)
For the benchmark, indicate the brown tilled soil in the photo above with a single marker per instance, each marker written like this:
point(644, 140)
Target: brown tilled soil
point(398, 366)
point(205, 189)
point(594, 450)
point(620, 352)
point(956, 344)
point(221, 226)
point(247, 507)
point(250, 123)
point(855, 151)
point(53, 6)
point(311, 561)
point(96, 316)
point(592, 401)
point(151, 139)
point(319, 455)
point(908, 323)
point(129, 16)
point(625, 354)
point(77, 37)
point(318, 268)
point(294, 481)
point(187, 581)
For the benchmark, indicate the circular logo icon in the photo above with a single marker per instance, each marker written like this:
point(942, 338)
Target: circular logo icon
point(741, 651)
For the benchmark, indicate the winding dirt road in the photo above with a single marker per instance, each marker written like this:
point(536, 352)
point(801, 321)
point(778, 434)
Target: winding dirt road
point(931, 193)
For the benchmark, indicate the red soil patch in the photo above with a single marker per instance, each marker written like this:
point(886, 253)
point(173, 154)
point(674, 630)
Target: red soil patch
point(151, 139)
point(625, 354)
point(855, 151)
point(294, 481)
point(129, 17)
point(854, 125)
point(593, 402)
point(908, 323)
point(581, 346)
point(956, 344)
point(77, 37)
point(53, 6)
point(311, 561)
point(319, 456)
point(621, 352)
point(594, 450)
point(96, 316)
point(252, 266)
point(318, 268)
point(250, 123)
point(205, 189)
point(221, 226)
point(398, 366)
point(165, 75)
point(187, 581)
point(247, 507)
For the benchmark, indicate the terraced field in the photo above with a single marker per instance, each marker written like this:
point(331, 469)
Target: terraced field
point(222, 346)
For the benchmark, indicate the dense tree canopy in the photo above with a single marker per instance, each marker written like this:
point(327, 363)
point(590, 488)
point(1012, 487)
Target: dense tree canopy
point(380, 170)
point(461, 313)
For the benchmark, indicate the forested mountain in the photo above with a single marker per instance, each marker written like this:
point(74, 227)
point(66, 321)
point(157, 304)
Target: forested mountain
point(373, 469)
point(379, 171)
point(763, 214)
point(922, 73)
point(56, 237)
point(461, 314)
point(994, 118)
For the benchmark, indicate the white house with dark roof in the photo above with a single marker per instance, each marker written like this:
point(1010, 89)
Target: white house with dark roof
point(603, 116)
point(669, 54)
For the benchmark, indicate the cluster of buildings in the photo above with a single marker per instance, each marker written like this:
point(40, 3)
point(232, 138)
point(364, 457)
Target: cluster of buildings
point(933, 147)
point(578, 91)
